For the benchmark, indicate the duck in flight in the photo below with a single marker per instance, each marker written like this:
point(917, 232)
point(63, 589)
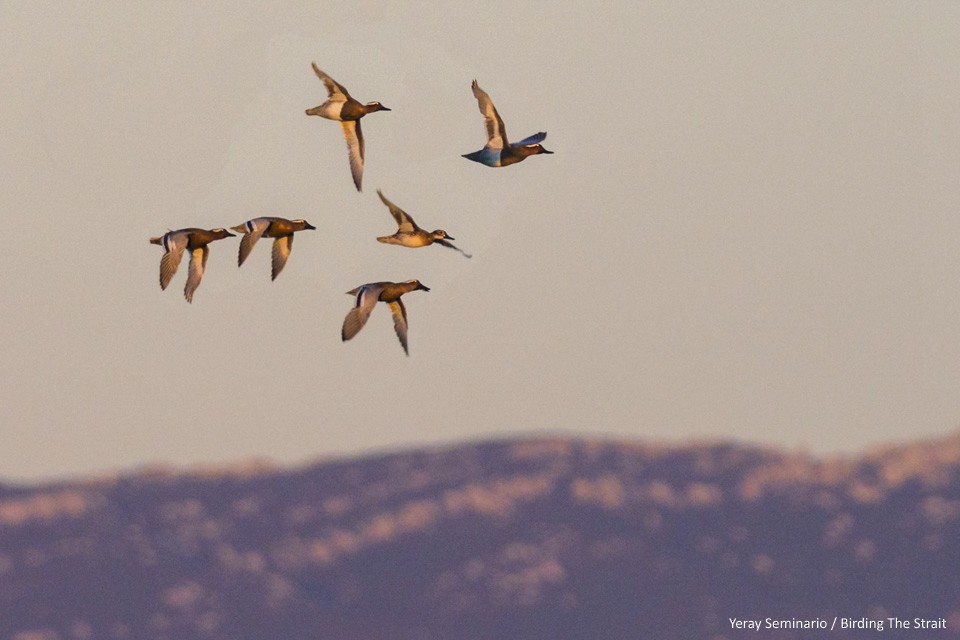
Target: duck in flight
point(341, 107)
point(410, 235)
point(280, 229)
point(367, 296)
point(175, 242)
point(499, 152)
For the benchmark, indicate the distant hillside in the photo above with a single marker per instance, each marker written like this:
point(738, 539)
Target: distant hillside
point(519, 540)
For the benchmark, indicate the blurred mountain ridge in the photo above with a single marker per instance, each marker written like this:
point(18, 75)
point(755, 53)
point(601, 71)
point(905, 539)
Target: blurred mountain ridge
point(529, 538)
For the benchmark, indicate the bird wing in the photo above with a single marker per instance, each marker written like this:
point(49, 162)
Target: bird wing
point(354, 137)
point(366, 299)
point(536, 138)
point(334, 90)
point(446, 243)
point(404, 221)
point(400, 322)
point(198, 262)
point(173, 245)
point(496, 132)
point(281, 251)
point(252, 230)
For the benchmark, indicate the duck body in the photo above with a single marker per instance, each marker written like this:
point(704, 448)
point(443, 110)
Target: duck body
point(488, 157)
point(349, 111)
point(501, 157)
point(409, 234)
point(280, 229)
point(411, 240)
point(340, 106)
point(366, 298)
point(499, 152)
point(191, 239)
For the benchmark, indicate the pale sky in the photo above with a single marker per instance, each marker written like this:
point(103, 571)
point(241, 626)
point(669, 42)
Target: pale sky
point(749, 230)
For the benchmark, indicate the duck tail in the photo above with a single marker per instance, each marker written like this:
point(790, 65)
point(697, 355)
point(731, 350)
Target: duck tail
point(156, 240)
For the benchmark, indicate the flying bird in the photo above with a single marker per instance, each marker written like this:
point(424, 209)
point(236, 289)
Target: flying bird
point(499, 152)
point(409, 234)
point(174, 243)
point(280, 229)
point(367, 296)
point(341, 107)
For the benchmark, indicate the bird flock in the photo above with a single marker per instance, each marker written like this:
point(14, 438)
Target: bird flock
point(340, 106)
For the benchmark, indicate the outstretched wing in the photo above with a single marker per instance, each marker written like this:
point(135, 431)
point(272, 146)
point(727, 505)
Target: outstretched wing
point(496, 132)
point(198, 262)
point(445, 243)
point(354, 137)
point(281, 251)
point(400, 322)
point(252, 230)
point(173, 246)
point(536, 138)
point(366, 299)
point(335, 92)
point(404, 221)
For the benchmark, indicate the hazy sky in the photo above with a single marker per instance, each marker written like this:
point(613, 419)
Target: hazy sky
point(750, 228)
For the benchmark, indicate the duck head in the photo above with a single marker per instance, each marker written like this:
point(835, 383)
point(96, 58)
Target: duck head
point(302, 224)
point(419, 286)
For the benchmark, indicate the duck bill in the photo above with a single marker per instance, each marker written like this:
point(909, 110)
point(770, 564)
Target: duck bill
point(423, 288)
point(542, 150)
point(310, 226)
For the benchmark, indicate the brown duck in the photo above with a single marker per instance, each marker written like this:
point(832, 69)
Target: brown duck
point(341, 107)
point(174, 243)
point(367, 296)
point(409, 234)
point(280, 229)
